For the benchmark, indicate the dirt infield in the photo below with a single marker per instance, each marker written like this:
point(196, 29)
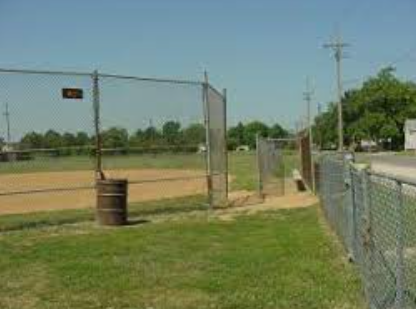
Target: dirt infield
point(86, 198)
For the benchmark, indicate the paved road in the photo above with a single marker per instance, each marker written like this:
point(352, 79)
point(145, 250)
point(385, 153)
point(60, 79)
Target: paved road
point(398, 165)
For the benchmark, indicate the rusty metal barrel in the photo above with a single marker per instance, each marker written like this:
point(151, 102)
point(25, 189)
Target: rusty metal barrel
point(112, 201)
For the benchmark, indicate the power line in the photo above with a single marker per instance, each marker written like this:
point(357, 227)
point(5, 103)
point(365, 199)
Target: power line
point(337, 45)
point(409, 55)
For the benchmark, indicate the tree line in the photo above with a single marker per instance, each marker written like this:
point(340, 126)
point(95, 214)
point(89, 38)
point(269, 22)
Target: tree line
point(376, 112)
point(171, 134)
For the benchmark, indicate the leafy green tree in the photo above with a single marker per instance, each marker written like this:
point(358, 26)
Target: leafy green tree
point(171, 132)
point(376, 111)
point(194, 134)
point(115, 137)
point(32, 140)
point(236, 136)
point(82, 139)
point(151, 136)
point(52, 139)
point(325, 128)
point(277, 131)
point(137, 139)
point(382, 106)
point(252, 129)
point(69, 139)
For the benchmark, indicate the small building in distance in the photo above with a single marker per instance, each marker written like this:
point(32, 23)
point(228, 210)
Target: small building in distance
point(243, 148)
point(202, 148)
point(410, 134)
point(8, 153)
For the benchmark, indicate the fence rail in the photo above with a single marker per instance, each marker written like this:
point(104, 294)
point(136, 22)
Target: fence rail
point(374, 215)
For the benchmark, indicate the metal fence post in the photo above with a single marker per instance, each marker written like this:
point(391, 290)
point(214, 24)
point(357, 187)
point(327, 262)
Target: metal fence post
point(352, 208)
point(208, 138)
point(283, 168)
point(354, 204)
point(225, 143)
point(259, 167)
point(399, 302)
point(99, 174)
point(366, 241)
point(312, 167)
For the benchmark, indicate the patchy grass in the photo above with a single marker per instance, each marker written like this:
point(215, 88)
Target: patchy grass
point(243, 167)
point(280, 259)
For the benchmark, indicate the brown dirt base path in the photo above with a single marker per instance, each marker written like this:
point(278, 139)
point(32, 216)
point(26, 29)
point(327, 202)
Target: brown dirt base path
point(26, 203)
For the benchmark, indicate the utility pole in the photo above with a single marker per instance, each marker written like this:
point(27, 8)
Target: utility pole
point(319, 128)
point(308, 98)
point(7, 115)
point(337, 46)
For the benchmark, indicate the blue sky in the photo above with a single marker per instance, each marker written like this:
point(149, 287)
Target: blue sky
point(261, 51)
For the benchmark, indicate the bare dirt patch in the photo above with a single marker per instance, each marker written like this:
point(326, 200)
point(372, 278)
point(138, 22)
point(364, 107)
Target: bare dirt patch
point(248, 202)
point(165, 188)
point(289, 201)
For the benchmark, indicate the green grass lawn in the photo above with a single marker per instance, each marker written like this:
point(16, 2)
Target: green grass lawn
point(282, 259)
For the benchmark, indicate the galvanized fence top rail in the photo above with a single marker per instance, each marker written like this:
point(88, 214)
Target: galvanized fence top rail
point(374, 216)
point(91, 74)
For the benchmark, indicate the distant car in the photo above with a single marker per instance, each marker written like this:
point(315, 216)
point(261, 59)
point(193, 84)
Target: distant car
point(368, 146)
point(243, 148)
point(202, 148)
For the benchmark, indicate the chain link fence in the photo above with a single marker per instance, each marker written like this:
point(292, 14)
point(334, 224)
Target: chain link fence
point(307, 169)
point(60, 131)
point(217, 145)
point(276, 161)
point(374, 216)
point(44, 134)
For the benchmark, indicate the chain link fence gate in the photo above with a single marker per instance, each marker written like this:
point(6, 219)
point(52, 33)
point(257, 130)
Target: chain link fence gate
point(374, 216)
point(276, 161)
point(155, 132)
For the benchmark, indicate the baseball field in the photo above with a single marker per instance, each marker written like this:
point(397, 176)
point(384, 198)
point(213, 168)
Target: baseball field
point(47, 184)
